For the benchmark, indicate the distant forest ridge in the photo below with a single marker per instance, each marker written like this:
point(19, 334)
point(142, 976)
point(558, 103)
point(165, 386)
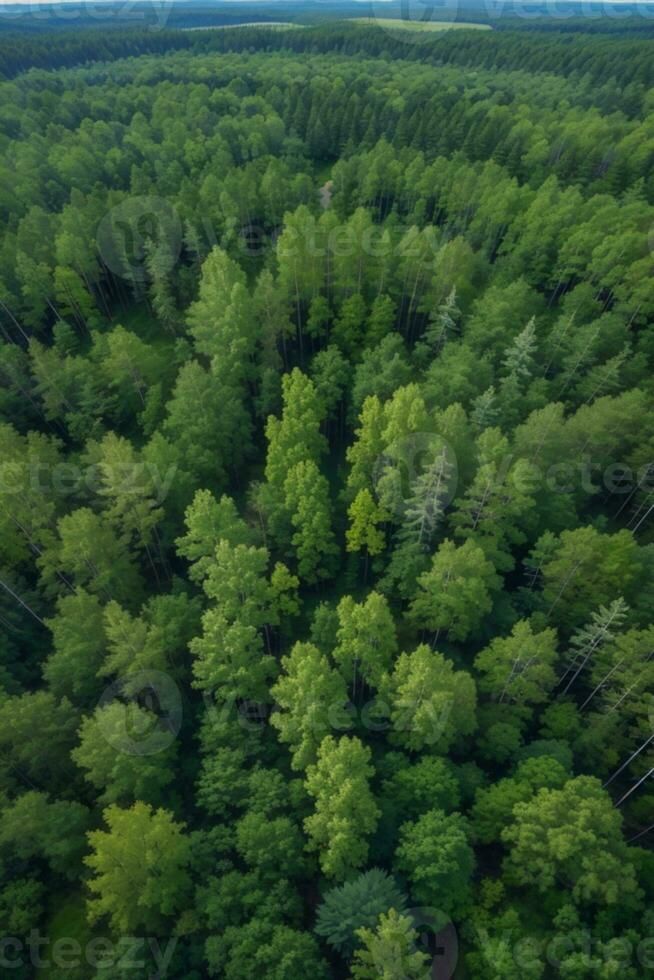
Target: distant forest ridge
point(600, 50)
point(579, 16)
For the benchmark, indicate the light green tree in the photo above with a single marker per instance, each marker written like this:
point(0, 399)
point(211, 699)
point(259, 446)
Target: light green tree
point(390, 952)
point(307, 501)
point(519, 667)
point(294, 438)
point(571, 838)
point(345, 813)
point(366, 640)
point(208, 521)
point(431, 704)
point(365, 516)
point(311, 696)
point(456, 593)
point(139, 869)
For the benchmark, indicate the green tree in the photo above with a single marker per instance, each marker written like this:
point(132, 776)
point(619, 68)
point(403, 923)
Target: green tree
point(587, 569)
point(206, 317)
point(496, 511)
point(588, 641)
point(364, 454)
point(88, 552)
point(345, 810)
point(29, 498)
point(299, 260)
point(264, 947)
point(139, 869)
point(293, 439)
point(355, 905)
point(366, 640)
point(493, 807)
point(209, 521)
point(381, 371)
point(427, 500)
point(431, 704)
point(311, 696)
point(331, 373)
point(155, 639)
point(621, 674)
point(37, 733)
point(307, 501)
point(443, 325)
point(381, 319)
point(349, 326)
point(456, 593)
point(132, 504)
point(271, 844)
point(390, 952)
point(318, 318)
point(230, 653)
point(110, 764)
point(33, 826)
point(571, 838)
point(365, 515)
point(435, 854)
point(78, 640)
point(519, 667)
point(213, 442)
point(415, 787)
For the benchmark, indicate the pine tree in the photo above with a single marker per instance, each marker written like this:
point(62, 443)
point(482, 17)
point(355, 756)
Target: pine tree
point(588, 640)
point(443, 325)
point(356, 905)
point(519, 357)
point(484, 409)
point(426, 504)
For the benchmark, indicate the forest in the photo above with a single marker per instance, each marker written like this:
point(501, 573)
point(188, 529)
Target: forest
point(327, 503)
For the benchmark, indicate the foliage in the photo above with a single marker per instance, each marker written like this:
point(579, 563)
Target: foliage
point(356, 905)
point(325, 369)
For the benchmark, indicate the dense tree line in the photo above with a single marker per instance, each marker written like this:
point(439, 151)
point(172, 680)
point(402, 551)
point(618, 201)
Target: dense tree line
point(616, 51)
point(326, 555)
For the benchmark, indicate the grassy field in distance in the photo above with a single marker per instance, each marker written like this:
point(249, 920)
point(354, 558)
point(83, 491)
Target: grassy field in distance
point(272, 24)
point(420, 25)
